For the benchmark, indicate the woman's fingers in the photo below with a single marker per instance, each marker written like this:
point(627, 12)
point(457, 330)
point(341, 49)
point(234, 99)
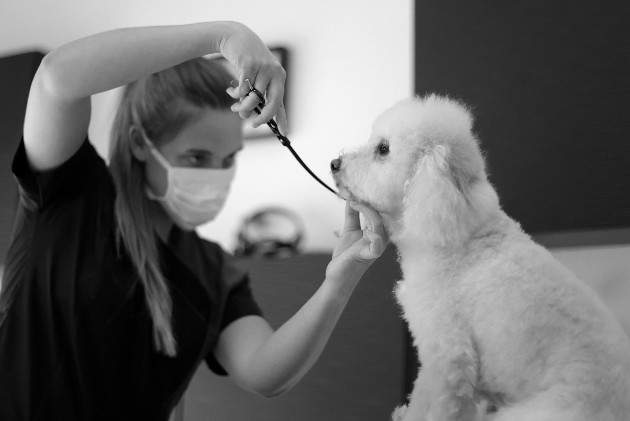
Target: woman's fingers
point(377, 244)
point(268, 78)
point(375, 233)
point(372, 218)
point(352, 221)
point(273, 86)
point(369, 247)
point(247, 104)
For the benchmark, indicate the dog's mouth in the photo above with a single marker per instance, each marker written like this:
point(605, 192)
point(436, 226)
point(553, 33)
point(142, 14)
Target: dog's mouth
point(348, 196)
point(344, 192)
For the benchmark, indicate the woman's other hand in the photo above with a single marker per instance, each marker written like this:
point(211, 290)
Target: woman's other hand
point(357, 248)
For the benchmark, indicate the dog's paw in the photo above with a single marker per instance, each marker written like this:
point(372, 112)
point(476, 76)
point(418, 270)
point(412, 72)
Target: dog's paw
point(399, 413)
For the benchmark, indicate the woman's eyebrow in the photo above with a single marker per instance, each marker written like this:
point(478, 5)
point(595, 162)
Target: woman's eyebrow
point(208, 152)
point(199, 151)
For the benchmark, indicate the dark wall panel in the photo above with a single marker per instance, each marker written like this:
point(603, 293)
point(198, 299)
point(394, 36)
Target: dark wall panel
point(16, 73)
point(549, 85)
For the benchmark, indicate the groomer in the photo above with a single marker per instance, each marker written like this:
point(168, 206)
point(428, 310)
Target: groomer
point(110, 299)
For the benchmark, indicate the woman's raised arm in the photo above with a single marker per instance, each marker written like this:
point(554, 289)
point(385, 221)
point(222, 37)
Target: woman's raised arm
point(58, 109)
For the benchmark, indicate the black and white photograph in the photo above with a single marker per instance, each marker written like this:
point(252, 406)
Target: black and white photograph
point(375, 210)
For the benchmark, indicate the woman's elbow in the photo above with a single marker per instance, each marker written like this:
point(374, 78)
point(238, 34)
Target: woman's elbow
point(55, 76)
point(268, 389)
point(272, 393)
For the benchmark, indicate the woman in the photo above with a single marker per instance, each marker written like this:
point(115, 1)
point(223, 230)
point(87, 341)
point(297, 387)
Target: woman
point(110, 299)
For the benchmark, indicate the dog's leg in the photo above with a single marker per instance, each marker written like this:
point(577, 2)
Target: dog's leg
point(558, 403)
point(444, 389)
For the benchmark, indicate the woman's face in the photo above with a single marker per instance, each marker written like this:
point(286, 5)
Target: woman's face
point(210, 140)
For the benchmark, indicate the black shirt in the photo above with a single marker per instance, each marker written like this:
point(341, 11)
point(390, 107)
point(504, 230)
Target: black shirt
point(76, 338)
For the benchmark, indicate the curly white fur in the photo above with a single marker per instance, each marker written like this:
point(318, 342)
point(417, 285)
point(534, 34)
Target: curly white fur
point(504, 332)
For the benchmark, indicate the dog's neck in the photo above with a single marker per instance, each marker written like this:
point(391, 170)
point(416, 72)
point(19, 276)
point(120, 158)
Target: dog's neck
point(393, 227)
point(412, 247)
point(439, 226)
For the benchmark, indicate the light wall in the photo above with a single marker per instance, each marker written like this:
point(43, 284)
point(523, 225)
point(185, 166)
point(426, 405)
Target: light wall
point(348, 61)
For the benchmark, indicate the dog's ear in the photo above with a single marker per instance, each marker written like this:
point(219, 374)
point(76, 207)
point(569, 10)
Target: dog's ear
point(437, 203)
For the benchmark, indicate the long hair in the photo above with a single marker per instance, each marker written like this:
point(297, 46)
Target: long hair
point(160, 105)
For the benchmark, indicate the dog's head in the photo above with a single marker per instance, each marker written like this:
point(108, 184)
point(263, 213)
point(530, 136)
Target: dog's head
point(422, 170)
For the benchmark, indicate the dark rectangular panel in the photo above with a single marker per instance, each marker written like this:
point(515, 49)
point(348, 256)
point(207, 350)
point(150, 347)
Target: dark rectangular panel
point(548, 83)
point(16, 73)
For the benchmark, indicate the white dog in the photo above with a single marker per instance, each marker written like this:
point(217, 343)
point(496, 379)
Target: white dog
point(504, 332)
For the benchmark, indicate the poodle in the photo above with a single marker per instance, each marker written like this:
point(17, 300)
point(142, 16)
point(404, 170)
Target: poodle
point(504, 332)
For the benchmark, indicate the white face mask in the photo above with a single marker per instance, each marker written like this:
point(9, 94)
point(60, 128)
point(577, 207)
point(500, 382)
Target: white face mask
point(193, 196)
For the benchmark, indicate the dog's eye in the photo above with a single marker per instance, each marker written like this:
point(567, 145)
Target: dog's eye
point(383, 148)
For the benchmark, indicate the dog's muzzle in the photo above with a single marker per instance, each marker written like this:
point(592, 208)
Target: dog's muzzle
point(335, 165)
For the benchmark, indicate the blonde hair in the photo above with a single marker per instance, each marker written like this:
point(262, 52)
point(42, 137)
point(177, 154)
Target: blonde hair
point(160, 105)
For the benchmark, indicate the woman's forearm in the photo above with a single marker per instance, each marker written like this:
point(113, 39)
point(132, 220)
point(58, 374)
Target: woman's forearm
point(293, 349)
point(110, 59)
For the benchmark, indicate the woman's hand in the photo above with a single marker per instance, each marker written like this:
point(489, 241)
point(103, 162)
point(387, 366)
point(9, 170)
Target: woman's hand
point(357, 248)
point(253, 61)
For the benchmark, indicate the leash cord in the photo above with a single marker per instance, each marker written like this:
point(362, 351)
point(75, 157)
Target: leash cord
point(283, 139)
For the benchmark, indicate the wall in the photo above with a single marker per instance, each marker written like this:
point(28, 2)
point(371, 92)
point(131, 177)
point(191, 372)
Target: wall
point(607, 270)
point(348, 60)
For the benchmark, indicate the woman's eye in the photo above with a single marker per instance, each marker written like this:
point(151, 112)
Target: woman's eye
point(383, 148)
point(197, 160)
point(229, 161)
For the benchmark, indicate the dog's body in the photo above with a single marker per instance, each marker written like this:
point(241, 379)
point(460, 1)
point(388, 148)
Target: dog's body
point(503, 331)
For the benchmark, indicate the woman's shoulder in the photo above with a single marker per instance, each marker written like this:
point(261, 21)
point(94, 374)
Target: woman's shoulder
point(206, 254)
point(84, 173)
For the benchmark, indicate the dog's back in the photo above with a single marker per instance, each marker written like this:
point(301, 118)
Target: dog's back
point(545, 339)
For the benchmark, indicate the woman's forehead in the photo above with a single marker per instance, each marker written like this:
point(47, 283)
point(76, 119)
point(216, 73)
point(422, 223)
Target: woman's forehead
point(215, 131)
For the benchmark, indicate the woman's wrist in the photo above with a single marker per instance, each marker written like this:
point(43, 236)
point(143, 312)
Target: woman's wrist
point(223, 32)
point(212, 36)
point(337, 289)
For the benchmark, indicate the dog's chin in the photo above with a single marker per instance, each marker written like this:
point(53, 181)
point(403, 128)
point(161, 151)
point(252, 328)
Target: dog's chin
point(348, 196)
point(391, 220)
point(344, 193)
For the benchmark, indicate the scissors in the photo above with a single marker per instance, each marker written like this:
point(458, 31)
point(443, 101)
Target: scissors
point(274, 128)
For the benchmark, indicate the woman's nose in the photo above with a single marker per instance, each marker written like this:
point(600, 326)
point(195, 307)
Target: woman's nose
point(335, 165)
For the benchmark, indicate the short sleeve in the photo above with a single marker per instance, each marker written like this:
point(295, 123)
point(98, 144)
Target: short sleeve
point(72, 178)
point(240, 299)
point(239, 303)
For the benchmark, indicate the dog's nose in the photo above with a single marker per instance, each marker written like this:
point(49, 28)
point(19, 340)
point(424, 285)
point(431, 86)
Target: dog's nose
point(335, 164)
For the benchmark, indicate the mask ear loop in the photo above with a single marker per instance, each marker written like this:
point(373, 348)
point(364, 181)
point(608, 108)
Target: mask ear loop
point(159, 156)
point(161, 159)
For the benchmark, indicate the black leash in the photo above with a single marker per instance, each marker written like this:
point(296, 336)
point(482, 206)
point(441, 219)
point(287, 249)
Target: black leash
point(283, 139)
